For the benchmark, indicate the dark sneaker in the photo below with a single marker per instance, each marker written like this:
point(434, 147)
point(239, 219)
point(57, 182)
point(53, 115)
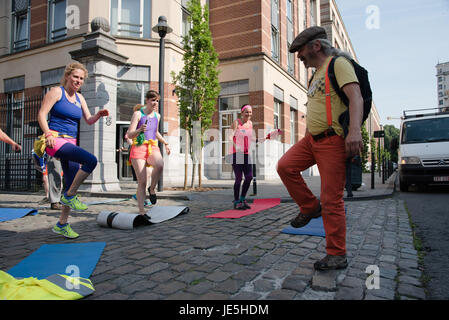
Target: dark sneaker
point(55, 206)
point(330, 262)
point(303, 219)
point(245, 205)
point(238, 205)
point(153, 197)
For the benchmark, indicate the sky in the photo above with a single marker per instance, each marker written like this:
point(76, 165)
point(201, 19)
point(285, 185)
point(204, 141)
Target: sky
point(399, 42)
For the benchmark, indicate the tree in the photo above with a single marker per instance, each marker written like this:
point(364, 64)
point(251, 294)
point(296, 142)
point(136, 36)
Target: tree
point(197, 85)
point(391, 132)
point(365, 139)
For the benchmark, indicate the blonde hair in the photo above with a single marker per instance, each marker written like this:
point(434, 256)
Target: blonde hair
point(137, 107)
point(70, 68)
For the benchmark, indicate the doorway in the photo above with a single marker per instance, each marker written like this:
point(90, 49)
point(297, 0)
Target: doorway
point(124, 171)
point(226, 120)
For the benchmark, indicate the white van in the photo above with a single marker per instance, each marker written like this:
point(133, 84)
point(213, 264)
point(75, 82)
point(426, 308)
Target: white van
point(424, 148)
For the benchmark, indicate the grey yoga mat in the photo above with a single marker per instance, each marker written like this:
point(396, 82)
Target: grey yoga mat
point(126, 221)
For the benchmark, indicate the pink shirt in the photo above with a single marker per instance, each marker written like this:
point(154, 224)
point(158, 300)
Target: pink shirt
point(242, 137)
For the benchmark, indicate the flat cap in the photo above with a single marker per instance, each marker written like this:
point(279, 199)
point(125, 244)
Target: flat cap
point(307, 35)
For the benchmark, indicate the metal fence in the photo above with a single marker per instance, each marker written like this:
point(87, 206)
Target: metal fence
point(18, 119)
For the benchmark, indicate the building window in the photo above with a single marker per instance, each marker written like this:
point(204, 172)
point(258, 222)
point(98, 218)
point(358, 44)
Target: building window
point(291, 56)
point(293, 116)
point(57, 20)
point(275, 29)
point(129, 93)
point(312, 13)
point(304, 13)
point(21, 25)
point(440, 102)
point(232, 102)
point(131, 18)
point(185, 24)
point(277, 110)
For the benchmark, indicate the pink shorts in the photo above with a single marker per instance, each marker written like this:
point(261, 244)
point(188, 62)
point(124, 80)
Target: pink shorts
point(141, 152)
point(59, 142)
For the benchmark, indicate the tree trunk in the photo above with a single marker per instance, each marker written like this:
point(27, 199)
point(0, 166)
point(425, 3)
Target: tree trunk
point(200, 153)
point(193, 174)
point(186, 158)
point(199, 173)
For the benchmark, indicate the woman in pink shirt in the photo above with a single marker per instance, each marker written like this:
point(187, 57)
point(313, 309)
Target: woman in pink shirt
point(242, 135)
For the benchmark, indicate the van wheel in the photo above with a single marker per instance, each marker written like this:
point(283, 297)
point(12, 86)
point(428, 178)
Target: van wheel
point(403, 186)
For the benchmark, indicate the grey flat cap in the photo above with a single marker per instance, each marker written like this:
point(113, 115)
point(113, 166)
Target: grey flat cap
point(307, 35)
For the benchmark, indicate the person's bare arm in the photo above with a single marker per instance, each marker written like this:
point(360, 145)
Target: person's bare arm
point(353, 141)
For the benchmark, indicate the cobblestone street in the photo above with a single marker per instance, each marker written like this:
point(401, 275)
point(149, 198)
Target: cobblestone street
point(192, 257)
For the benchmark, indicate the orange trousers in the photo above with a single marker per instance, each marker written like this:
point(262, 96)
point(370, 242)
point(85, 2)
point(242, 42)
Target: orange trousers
point(330, 156)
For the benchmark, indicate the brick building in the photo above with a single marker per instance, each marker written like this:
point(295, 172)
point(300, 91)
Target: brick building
point(40, 37)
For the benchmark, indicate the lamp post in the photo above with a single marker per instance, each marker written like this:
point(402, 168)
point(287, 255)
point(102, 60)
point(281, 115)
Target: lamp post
point(162, 29)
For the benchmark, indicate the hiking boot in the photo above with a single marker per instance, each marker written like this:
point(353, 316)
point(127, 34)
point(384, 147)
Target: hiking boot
point(73, 203)
point(330, 262)
point(66, 231)
point(303, 219)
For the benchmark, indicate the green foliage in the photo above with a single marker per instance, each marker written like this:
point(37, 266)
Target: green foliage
point(391, 132)
point(373, 143)
point(197, 85)
point(365, 139)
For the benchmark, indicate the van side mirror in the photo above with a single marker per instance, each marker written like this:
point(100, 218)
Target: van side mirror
point(394, 144)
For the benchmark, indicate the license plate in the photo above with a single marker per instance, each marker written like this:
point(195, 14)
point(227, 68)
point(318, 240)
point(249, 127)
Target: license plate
point(440, 179)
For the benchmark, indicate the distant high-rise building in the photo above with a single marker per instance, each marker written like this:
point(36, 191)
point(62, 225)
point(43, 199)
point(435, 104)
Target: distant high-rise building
point(443, 85)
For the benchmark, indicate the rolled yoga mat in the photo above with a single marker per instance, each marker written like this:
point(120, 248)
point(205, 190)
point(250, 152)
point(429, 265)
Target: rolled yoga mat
point(127, 221)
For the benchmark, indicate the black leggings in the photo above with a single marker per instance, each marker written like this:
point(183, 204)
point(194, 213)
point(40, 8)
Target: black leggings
point(240, 169)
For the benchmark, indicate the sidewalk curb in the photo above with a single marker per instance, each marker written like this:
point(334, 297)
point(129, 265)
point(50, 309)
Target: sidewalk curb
point(126, 195)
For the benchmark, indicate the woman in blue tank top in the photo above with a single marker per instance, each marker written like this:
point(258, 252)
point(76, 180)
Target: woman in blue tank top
point(65, 107)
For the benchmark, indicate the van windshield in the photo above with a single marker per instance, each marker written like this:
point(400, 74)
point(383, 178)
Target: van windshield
point(425, 130)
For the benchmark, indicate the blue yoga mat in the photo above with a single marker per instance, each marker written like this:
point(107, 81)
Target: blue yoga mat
point(73, 259)
point(7, 214)
point(313, 228)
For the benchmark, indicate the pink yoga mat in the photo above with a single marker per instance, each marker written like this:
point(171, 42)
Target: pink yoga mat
point(256, 206)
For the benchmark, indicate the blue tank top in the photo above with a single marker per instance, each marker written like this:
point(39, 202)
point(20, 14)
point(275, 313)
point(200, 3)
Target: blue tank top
point(65, 115)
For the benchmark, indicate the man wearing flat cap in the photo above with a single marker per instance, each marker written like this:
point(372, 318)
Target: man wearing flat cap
point(324, 143)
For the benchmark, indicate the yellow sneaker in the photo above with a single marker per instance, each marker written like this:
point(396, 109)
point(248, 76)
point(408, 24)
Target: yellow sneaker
point(73, 203)
point(66, 231)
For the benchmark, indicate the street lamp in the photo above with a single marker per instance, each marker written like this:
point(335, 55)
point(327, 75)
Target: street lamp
point(162, 29)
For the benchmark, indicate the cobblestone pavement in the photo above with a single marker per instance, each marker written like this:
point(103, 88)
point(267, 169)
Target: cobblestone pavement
point(193, 257)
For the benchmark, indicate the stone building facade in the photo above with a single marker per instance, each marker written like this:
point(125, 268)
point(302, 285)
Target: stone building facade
point(40, 37)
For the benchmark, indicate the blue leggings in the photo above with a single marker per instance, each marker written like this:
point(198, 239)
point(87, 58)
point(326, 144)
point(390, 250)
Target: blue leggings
point(72, 157)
